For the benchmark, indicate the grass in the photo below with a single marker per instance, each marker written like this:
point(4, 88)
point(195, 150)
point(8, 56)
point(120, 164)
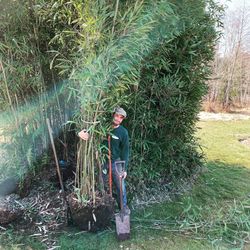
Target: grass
point(220, 141)
point(17, 241)
point(141, 238)
point(215, 214)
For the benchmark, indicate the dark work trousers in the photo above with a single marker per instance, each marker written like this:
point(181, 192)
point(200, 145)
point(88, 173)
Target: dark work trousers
point(116, 182)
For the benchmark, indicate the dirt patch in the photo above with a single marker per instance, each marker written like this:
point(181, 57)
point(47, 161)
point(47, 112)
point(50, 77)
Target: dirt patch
point(245, 141)
point(43, 212)
point(10, 210)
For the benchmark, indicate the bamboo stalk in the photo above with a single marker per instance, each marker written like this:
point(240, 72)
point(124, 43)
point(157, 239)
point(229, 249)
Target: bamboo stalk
point(116, 11)
point(8, 94)
point(65, 153)
point(93, 176)
point(100, 173)
point(55, 155)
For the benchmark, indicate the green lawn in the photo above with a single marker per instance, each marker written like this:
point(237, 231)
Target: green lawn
point(220, 141)
point(215, 214)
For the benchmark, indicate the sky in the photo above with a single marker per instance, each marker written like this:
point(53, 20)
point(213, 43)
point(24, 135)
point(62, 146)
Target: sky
point(232, 15)
point(234, 4)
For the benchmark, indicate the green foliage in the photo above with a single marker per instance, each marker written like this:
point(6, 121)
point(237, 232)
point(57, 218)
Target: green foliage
point(103, 85)
point(22, 62)
point(164, 108)
point(149, 57)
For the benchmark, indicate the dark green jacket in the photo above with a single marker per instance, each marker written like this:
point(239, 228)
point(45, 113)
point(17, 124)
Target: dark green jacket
point(119, 145)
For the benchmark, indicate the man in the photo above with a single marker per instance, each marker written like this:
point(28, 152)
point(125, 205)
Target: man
point(119, 141)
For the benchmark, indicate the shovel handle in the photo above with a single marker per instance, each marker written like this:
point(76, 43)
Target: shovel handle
point(121, 193)
point(121, 199)
point(110, 167)
point(55, 155)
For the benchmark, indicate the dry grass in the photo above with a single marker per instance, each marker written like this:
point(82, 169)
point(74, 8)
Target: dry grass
point(216, 107)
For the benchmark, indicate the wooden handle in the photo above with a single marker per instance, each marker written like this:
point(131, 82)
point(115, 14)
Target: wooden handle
point(55, 155)
point(110, 167)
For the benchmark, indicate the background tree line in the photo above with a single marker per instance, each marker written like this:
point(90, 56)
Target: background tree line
point(230, 83)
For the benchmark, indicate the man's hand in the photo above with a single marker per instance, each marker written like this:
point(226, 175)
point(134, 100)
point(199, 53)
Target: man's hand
point(84, 135)
point(124, 175)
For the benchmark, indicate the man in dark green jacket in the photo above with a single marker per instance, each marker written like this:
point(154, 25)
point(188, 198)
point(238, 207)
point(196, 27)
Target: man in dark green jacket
point(119, 141)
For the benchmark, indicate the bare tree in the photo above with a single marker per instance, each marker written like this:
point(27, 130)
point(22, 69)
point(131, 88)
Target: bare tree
point(230, 83)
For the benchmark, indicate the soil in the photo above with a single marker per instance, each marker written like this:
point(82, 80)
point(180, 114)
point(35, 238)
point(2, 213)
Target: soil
point(9, 209)
point(92, 217)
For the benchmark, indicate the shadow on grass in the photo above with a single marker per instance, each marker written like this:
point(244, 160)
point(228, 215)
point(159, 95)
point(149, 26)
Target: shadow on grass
point(218, 183)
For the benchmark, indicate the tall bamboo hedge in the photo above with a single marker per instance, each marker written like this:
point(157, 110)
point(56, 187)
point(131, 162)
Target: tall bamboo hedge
point(165, 106)
point(151, 57)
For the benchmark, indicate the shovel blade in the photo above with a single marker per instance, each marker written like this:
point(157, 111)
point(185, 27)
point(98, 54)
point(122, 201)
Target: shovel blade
point(122, 226)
